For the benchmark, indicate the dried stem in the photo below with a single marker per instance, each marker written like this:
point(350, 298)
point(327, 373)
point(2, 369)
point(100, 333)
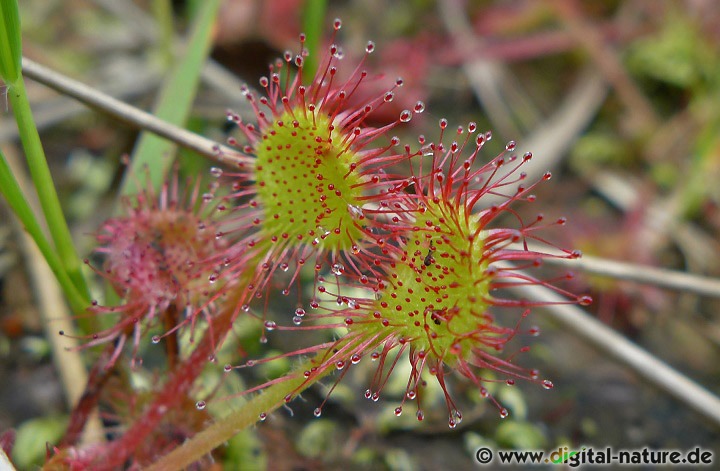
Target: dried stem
point(656, 372)
point(660, 277)
point(133, 116)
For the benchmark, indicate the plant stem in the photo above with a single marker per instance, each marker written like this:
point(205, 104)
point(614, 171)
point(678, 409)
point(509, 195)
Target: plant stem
point(224, 429)
point(42, 180)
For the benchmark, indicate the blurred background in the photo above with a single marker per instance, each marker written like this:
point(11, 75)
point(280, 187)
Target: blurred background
point(619, 99)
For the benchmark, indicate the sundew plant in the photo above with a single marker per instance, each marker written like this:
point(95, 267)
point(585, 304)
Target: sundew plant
point(323, 253)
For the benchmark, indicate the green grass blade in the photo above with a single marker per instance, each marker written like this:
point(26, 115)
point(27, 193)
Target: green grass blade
point(313, 25)
point(42, 179)
point(18, 203)
point(10, 45)
point(174, 103)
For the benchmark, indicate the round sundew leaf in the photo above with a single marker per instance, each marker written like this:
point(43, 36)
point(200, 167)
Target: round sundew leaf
point(305, 182)
point(437, 293)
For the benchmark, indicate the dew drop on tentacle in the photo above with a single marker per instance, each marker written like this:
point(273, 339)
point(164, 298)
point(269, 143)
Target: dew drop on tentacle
point(262, 416)
point(200, 405)
point(585, 300)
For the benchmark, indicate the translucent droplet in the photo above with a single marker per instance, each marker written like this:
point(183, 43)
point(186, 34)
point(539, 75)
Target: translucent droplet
point(297, 320)
point(155, 339)
point(410, 394)
point(420, 415)
point(355, 359)
point(510, 146)
point(300, 312)
point(284, 266)
point(262, 416)
point(270, 325)
point(317, 412)
point(504, 413)
point(227, 368)
point(216, 172)
point(200, 405)
point(398, 411)
point(207, 197)
point(547, 384)
point(338, 269)
point(455, 418)
point(405, 116)
point(355, 212)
